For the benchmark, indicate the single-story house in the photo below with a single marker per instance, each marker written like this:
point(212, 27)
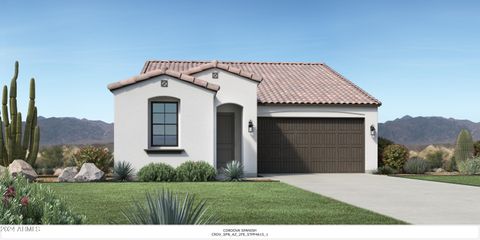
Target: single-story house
point(274, 117)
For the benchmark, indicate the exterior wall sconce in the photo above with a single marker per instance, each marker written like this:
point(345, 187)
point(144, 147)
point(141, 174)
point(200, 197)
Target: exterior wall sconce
point(250, 126)
point(372, 130)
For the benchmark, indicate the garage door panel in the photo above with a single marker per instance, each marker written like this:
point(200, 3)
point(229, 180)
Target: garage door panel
point(323, 138)
point(323, 154)
point(351, 139)
point(304, 145)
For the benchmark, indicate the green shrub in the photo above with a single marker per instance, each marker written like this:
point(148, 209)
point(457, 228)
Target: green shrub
point(416, 166)
point(45, 171)
point(464, 146)
point(191, 171)
point(123, 171)
point(435, 159)
point(156, 172)
point(233, 171)
point(395, 156)
point(450, 165)
point(50, 158)
point(382, 144)
point(470, 166)
point(32, 203)
point(101, 157)
point(476, 148)
point(385, 170)
point(165, 207)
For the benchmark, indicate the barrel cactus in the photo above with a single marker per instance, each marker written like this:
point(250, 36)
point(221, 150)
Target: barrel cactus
point(16, 142)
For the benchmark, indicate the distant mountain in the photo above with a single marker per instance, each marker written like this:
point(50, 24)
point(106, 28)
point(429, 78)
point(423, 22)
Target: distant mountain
point(68, 130)
point(406, 130)
point(426, 130)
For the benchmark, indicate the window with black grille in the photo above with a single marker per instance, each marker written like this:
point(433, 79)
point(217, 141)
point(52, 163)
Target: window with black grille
point(164, 124)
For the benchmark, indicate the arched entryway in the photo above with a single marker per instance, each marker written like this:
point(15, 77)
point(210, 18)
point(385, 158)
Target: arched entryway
point(229, 134)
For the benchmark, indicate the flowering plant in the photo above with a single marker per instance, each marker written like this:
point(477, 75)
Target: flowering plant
point(32, 203)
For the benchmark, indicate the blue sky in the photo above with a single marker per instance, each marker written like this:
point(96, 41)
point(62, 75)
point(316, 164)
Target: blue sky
point(420, 58)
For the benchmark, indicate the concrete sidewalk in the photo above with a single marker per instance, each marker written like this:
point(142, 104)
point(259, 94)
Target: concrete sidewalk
point(409, 200)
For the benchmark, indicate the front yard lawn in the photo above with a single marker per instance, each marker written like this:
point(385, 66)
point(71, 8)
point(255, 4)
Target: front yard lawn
point(465, 180)
point(235, 203)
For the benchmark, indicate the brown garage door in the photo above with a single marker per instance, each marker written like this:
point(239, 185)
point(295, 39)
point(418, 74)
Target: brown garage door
point(311, 145)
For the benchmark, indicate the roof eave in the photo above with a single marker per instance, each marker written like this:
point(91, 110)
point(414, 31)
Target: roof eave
point(181, 76)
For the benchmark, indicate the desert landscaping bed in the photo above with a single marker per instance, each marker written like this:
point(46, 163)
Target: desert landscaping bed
point(234, 202)
point(456, 179)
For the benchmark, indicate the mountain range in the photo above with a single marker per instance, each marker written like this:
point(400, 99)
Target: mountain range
point(426, 130)
point(73, 131)
point(406, 130)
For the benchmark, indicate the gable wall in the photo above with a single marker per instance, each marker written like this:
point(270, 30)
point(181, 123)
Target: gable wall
point(195, 129)
point(241, 91)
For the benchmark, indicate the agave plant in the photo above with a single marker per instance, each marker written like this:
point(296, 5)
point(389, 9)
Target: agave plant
point(233, 171)
point(123, 171)
point(165, 207)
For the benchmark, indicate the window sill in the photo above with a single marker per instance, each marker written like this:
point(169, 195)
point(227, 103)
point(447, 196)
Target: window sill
point(163, 150)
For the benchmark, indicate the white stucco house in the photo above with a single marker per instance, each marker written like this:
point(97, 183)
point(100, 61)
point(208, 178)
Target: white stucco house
point(274, 117)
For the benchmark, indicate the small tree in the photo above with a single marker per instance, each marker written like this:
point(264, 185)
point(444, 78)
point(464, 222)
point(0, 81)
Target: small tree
point(382, 144)
point(464, 146)
point(395, 156)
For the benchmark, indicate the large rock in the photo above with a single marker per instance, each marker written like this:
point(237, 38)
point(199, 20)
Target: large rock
point(89, 173)
point(21, 167)
point(57, 172)
point(68, 174)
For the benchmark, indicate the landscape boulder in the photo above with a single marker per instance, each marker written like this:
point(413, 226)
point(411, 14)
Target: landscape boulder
point(19, 166)
point(439, 170)
point(89, 173)
point(68, 174)
point(57, 172)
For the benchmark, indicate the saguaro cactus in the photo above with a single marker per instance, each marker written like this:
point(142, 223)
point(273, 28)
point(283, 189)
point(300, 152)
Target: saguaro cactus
point(15, 143)
point(464, 146)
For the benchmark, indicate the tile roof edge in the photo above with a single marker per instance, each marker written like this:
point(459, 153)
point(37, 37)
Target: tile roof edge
point(377, 102)
point(145, 67)
point(238, 62)
point(225, 67)
point(163, 71)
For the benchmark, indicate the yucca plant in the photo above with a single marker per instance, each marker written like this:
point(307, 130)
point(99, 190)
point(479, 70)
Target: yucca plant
point(123, 171)
point(233, 171)
point(165, 207)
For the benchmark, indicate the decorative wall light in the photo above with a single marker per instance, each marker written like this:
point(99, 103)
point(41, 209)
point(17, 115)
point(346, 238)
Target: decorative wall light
point(215, 75)
point(372, 130)
point(250, 126)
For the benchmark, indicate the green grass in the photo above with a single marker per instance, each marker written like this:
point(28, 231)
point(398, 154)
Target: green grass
point(465, 180)
point(235, 203)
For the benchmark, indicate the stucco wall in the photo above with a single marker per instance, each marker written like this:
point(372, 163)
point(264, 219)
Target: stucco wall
point(241, 91)
point(196, 122)
point(369, 113)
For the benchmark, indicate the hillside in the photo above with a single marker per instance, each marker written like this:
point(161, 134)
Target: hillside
point(67, 130)
point(426, 130)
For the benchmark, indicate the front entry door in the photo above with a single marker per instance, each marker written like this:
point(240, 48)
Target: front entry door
point(225, 139)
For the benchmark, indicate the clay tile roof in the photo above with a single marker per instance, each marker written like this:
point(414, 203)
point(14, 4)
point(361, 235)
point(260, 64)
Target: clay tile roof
point(226, 67)
point(164, 70)
point(283, 82)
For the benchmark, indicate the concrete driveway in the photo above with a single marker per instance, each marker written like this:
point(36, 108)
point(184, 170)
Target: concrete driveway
point(409, 200)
